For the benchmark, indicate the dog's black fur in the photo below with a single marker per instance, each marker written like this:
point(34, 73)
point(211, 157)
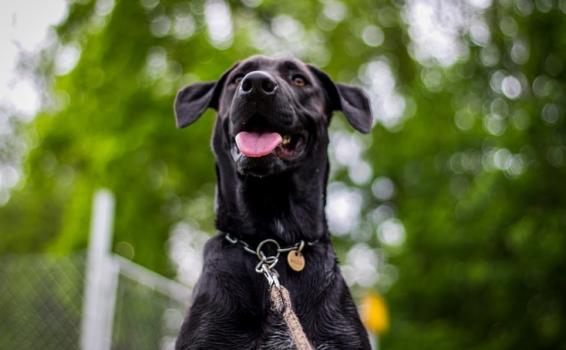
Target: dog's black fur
point(279, 196)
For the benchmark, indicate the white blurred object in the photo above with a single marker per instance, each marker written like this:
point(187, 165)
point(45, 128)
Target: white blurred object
point(218, 23)
point(343, 208)
point(186, 244)
point(387, 103)
point(391, 232)
point(436, 27)
point(24, 28)
point(361, 267)
point(101, 277)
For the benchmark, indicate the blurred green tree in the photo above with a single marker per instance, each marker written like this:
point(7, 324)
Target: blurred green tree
point(461, 193)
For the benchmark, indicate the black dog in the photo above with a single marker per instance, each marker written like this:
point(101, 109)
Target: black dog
point(270, 142)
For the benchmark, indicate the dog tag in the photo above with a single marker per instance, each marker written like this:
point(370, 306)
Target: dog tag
point(296, 260)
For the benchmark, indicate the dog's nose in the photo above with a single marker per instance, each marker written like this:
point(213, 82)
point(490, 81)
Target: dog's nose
point(258, 82)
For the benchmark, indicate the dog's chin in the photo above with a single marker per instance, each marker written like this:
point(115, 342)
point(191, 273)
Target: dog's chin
point(260, 167)
point(279, 161)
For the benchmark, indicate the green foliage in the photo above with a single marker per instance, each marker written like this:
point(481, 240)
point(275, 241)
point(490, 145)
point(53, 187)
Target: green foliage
point(478, 170)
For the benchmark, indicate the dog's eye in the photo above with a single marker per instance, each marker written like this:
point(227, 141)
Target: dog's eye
point(238, 79)
point(299, 80)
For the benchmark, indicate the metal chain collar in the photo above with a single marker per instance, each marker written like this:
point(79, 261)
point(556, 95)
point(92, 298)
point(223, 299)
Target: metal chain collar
point(267, 263)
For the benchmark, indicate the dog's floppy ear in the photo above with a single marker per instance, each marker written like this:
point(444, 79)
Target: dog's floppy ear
point(349, 99)
point(194, 99)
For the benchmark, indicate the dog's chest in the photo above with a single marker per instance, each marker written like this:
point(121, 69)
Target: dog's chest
point(277, 337)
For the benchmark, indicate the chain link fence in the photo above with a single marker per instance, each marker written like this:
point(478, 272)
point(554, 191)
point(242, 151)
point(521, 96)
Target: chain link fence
point(42, 297)
point(40, 302)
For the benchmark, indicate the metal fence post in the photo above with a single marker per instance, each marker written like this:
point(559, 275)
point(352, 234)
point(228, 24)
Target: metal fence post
point(101, 279)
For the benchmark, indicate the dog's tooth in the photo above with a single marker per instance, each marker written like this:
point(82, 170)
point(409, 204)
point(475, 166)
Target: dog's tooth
point(286, 139)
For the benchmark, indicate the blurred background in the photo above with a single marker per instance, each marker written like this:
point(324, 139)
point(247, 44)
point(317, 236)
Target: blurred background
point(449, 220)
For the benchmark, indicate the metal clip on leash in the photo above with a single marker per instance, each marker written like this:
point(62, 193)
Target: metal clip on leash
point(279, 295)
point(266, 263)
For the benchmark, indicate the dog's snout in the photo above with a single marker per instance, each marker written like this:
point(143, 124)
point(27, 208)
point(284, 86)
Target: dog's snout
point(258, 82)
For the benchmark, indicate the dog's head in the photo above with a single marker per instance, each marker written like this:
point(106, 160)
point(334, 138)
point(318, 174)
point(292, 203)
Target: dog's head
point(273, 113)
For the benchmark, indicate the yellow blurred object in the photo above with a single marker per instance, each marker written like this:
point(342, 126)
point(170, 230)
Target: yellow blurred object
point(374, 313)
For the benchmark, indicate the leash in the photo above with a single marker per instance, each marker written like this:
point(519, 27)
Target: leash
point(279, 295)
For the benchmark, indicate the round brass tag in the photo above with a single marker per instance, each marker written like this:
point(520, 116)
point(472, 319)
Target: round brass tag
point(296, 260)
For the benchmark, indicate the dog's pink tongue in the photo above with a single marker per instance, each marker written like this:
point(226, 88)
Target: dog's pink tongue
point(252, 144)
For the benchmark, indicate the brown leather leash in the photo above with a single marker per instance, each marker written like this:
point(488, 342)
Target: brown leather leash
point(278, 294)
point(281, 302)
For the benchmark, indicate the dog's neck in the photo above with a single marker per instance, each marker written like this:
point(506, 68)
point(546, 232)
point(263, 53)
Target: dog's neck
point(288, 207)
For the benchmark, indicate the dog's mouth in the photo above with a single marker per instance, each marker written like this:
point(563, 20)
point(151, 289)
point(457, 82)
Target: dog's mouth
point(261, 144)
